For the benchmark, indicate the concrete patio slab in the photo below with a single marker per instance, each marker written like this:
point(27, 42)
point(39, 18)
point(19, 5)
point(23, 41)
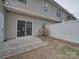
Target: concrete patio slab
point(17, 46)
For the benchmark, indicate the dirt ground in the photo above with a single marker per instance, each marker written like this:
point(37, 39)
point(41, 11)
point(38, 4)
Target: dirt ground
point(56, 49)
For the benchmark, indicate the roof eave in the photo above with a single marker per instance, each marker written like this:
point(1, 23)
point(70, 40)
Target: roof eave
point(18, 10)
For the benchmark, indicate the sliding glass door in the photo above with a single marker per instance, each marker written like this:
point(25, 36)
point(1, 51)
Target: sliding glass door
point(24, 28)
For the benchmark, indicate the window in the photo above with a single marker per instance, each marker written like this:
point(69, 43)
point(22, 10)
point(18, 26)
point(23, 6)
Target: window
point(73, 18)
point(68, 17)
point(58, 13)
point(28, 28)
point(45, 5)
point(5, 2)
point(24, 28)
point(24, 1)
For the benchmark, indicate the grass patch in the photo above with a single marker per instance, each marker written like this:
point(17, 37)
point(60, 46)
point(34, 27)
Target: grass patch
point(70, 53)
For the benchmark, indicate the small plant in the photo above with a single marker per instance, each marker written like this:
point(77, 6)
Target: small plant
point(70, 53)
point(43, 31)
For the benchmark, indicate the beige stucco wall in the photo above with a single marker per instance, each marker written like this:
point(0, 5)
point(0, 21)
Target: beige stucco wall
point(36, 6)
point(31, 5)
point(11, 24)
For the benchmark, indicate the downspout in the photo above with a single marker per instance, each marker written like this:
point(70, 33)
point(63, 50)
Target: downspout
point(2, 18)
point(1, 29)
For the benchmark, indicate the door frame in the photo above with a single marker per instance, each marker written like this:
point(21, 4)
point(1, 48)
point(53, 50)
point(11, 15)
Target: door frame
point(29, 36)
